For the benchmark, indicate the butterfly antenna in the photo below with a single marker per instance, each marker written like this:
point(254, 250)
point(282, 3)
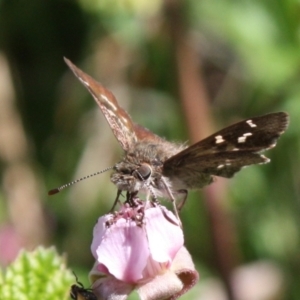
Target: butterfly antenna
point(57, 190)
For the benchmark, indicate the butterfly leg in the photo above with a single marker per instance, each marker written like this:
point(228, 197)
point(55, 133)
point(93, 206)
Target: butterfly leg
point(172, 200)
point(171, 220)
point(182, 202)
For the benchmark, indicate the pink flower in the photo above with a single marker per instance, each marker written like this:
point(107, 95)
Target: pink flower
point(140, 249)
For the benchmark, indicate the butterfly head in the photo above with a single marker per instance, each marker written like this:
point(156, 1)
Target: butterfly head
point(132, 177)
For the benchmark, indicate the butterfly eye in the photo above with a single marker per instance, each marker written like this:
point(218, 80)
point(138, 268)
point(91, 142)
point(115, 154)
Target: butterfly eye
point(144, 171)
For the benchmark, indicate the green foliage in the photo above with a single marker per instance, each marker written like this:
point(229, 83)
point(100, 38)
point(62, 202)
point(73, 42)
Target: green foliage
point(250, 61)
point(262, 33)
point(41, 274)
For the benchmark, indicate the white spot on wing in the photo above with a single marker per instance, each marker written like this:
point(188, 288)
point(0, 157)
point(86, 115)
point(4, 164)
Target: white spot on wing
point(242, 139)
point(84, 82)
point(227, 162)
point(107, 101)
point(124, 120)
point(250, 123)
point(219, 139)
point(220, 166)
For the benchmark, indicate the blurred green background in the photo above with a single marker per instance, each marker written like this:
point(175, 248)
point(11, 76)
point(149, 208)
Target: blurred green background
point(182, 69)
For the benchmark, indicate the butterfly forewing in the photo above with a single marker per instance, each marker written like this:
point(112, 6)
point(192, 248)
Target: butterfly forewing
point(255, 135)
point(228, 150)
point(118, 119)
point(125, 130)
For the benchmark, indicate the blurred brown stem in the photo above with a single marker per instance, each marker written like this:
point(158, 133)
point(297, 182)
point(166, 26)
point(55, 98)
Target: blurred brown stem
point(196, 108)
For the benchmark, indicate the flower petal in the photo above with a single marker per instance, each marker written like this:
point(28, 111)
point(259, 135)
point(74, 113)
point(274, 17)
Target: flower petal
point(110, 288)
point(123, 250)
point(99, 231)
point(184, 268)
point(172, 284)
point(164, 234)
point(161, 287)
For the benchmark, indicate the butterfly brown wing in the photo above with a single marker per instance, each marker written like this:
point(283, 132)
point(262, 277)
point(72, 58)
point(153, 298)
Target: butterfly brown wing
point(227, 151)
point(118, 119)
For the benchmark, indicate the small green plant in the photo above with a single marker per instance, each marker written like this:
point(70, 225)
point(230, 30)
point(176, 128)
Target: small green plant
point(41, 274)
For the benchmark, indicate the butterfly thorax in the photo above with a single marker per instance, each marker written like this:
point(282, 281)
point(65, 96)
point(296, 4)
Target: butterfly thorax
point(141, 167)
